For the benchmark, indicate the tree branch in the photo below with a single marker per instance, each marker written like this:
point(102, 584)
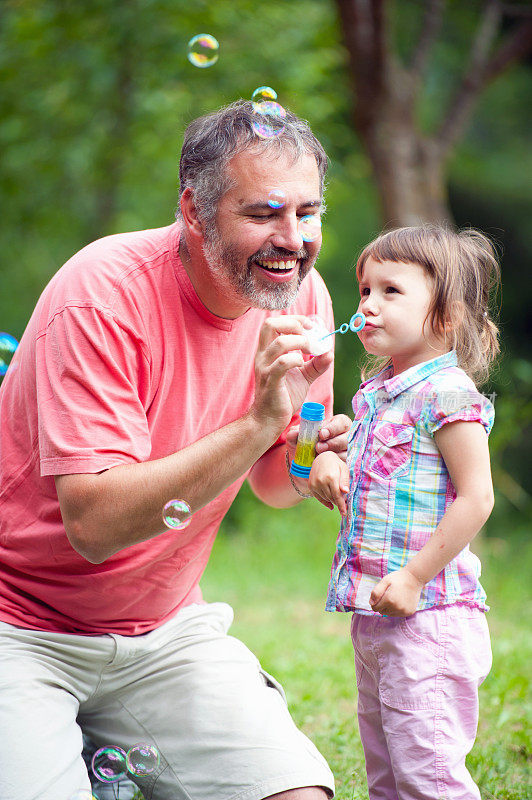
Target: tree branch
point(365, 32)
point(430, 27)
point(473, 79)
point(515, 48)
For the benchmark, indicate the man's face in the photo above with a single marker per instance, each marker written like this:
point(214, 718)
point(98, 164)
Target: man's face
point(256, 254)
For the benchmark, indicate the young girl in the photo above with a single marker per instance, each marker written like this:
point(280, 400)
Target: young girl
point(415, 491)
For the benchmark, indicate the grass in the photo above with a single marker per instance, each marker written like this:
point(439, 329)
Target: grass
point(273, 566)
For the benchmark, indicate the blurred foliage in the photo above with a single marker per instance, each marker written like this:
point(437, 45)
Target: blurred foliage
point(95, 100)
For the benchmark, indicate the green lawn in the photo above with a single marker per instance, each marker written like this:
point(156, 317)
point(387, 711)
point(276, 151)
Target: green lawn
point(272, 567)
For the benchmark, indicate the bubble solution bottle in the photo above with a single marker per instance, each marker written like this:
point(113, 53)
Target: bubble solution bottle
point(312, 415)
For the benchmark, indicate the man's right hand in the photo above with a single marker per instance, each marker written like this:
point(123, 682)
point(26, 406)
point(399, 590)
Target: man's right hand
point(282, 376)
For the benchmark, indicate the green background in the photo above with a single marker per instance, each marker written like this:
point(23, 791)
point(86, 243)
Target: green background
point(95, 98)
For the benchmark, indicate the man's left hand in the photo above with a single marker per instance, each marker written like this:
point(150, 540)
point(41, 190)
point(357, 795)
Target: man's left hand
point(333, 436)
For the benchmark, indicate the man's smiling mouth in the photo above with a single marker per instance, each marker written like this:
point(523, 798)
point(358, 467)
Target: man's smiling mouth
point(283, 266)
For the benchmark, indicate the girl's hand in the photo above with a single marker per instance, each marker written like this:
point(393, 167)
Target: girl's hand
point(397, 594)
point(329, 481)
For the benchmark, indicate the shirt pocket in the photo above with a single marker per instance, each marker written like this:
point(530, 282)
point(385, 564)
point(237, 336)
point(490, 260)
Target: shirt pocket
point(391, 451)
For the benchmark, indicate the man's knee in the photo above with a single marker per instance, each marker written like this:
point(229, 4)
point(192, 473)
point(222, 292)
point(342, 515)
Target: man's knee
point(305, 793)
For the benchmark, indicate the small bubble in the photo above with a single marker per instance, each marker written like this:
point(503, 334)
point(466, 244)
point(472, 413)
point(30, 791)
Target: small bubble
point(8, 345)
point(264, 93)
point(268, 119)
point(142, 759)
point(309, 227)
point(109, 764)
point(276, 198)
point(83, 794)
point(177, 514)
point(203, 50)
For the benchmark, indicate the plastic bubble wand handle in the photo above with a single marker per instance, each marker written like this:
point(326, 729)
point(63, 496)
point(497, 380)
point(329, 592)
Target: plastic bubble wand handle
point(352, 325)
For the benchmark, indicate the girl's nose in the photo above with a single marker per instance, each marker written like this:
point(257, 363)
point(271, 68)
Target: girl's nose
point(368, 305)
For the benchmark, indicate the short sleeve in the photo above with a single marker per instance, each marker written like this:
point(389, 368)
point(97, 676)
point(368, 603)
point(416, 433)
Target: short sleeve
point(92, 386)
point(454, 405)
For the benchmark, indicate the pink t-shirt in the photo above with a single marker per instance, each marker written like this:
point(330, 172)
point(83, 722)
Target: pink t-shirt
point(120, 363)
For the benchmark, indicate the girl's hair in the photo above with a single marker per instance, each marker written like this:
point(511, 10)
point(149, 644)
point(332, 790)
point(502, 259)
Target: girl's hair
point(465, 272)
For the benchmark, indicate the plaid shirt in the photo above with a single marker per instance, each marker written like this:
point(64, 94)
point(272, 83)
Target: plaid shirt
point(400, 486)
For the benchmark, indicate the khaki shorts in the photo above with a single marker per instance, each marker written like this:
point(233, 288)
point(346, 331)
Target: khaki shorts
point(200, 697)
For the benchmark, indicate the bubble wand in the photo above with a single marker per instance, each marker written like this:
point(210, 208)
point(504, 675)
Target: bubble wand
point(318, 333)
point(352, 325)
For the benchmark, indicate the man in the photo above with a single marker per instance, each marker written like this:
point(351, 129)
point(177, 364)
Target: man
point(153, 368)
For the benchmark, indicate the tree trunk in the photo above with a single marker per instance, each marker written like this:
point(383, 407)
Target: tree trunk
point(409, 165)
point(409, 172)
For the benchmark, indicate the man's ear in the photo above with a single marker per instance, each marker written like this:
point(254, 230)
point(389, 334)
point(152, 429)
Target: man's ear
point(190, 214)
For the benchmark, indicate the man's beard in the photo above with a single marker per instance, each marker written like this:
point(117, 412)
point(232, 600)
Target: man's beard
point(226, 263)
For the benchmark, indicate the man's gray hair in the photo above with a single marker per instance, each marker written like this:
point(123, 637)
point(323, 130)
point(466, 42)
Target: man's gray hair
point(212, 140)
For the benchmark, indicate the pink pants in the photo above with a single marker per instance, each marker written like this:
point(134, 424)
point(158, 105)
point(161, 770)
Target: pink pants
point(418, 680)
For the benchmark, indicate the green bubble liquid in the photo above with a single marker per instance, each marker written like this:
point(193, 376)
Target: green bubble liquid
point(305, 453)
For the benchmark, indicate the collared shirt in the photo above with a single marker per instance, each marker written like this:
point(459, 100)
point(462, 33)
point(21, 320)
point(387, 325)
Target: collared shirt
point(400, 486)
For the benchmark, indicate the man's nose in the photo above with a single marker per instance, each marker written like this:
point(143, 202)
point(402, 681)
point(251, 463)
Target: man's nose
point(287, 234)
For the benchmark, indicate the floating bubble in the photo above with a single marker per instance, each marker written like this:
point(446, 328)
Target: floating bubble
point(264, 93)
point(143, 759)
point(109, 764)
point(8, 345)
point(309, 227)
point(83, 794)
point(276, 198)
point(177, 514)
point(268, 119)
point(203, 50)
point(318, 336)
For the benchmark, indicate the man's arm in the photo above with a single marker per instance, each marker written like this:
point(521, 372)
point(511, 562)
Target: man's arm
point(106, 512)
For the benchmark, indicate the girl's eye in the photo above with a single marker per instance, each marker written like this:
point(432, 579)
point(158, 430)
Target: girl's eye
point(391, 289)
point(364, 292)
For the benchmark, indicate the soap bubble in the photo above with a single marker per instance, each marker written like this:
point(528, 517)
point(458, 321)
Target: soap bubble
point(143, 759)
point(177, 514)
point(268, 119)
point(8, 345)
point(83, 794)
point(109, 764)
point(276, 198)
point(318, 344)
point(309, 227)
point(264, 93)
point(203, 50)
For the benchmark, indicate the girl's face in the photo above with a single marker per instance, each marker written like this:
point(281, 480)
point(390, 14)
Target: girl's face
point(395, 299)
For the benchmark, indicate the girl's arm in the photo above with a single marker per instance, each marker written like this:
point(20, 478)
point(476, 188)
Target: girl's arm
point(464, 448)
point(329, 481)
